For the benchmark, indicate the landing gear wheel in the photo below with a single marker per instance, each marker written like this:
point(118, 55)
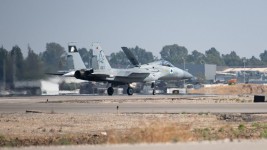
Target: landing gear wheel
point(154, 92)
point(130, 91)
point(110, 91)
point(153, 85)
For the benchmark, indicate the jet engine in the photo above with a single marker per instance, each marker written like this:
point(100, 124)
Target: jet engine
point(83, 74)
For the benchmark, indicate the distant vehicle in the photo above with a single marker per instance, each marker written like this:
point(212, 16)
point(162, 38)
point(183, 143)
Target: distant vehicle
point(146, 73)
point(232, 81)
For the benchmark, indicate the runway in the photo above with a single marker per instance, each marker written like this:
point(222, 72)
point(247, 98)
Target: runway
point(205, 145)
point(18, 105)
point(73, 115)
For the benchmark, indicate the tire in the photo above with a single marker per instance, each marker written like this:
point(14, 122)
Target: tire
point(154, 92)
point(110, 91)
point(130, 91)
point(152, 85)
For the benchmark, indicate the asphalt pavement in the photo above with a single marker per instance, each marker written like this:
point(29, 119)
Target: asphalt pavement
point(38, 104)
point(206, 145)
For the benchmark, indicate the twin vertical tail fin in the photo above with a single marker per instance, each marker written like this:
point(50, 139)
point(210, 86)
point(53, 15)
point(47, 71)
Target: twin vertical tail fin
point(78, 64)
point(73, 53)
point(102, 61)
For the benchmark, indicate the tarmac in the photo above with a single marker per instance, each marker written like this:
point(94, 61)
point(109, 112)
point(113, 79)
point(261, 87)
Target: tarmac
point(205, 145)
point(113, 104)
point(134, 104)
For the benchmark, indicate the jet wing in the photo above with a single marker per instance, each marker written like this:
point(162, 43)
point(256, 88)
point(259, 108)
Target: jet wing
point(130, 76)
point(130, 56)
point(133, 77)
point(138, 75)
point(100, 75)
point(63, 73)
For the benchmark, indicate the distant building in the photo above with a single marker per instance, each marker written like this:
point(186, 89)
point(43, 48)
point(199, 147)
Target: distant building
point(205, 72)
point(248, 75)
point(37, 87)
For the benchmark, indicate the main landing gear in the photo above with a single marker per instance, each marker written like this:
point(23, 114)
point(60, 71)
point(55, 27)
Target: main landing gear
point(130, 91)
point(110, 91)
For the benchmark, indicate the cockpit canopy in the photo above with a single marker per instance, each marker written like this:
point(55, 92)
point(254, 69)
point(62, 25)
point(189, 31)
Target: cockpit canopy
point(163, 63)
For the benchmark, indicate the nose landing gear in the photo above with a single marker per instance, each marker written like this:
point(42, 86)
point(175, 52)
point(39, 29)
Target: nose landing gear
point(154, 92)
point(153, 87)
point(110, 91)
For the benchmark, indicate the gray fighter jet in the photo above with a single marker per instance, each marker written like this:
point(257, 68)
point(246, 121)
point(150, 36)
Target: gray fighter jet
point(146, 73)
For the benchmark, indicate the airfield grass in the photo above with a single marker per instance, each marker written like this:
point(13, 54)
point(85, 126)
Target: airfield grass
point(146, 128)
point(172, 132)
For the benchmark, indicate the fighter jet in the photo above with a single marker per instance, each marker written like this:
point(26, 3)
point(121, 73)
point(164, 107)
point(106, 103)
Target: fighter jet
point(146, 73)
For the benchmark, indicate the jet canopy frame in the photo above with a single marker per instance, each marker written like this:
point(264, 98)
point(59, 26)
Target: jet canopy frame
point(164, 63)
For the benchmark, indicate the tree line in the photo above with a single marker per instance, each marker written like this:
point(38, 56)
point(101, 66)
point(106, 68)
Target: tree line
point(15, 67)
point(179, 54)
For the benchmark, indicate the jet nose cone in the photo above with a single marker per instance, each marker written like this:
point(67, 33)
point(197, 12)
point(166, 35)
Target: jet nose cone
point(187, 75)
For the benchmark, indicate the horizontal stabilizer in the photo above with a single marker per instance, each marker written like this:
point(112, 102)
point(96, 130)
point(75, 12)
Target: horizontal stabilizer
point(130, 56)
point(59, 73)
point(55, 74)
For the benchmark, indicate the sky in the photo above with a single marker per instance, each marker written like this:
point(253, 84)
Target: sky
point(227, 25)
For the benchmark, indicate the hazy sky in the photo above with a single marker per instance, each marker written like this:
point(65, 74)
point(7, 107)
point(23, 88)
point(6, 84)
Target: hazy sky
point(227, 25)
